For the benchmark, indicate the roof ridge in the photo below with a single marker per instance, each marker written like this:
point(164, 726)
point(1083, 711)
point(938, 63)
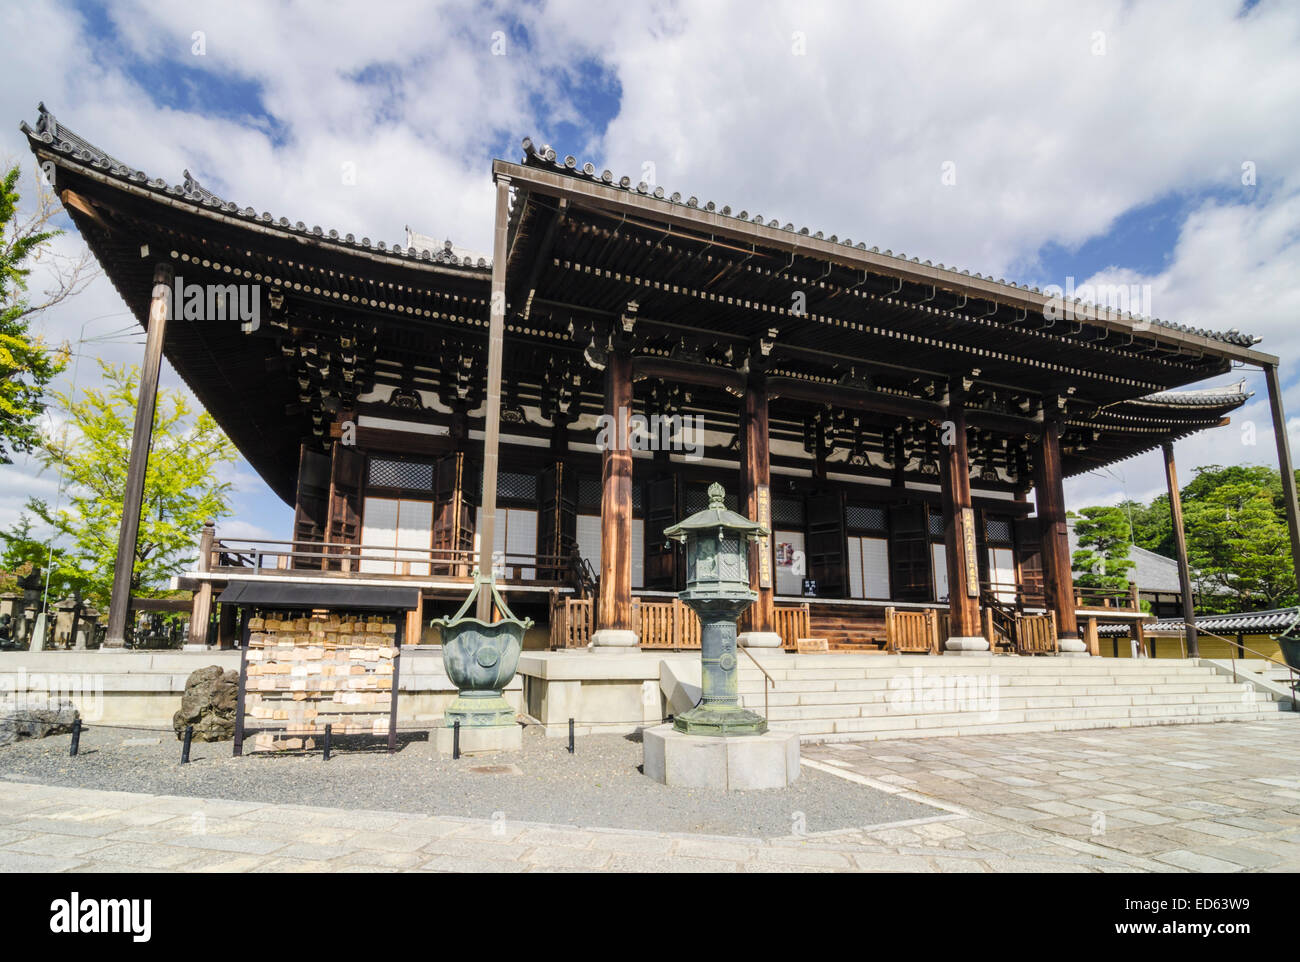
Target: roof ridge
point(60, 138)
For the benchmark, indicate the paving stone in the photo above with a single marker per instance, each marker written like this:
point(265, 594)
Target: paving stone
point(315, 852)
point(451, 863)
point(1197, 862)
point(57, 845)
point(892, 863)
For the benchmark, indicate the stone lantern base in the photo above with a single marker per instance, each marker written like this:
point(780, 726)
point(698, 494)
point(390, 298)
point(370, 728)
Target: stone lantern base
point(717, 720)
point(727, 763)
point(478, 741)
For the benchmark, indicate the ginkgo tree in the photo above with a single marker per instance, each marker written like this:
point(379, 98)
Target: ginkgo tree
point(182, 487)
point(27, 363)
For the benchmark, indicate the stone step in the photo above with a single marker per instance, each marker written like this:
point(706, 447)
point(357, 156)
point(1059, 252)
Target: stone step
point(1029, 709)
point(867, 700)
point(886, 701)
point(1180, 687)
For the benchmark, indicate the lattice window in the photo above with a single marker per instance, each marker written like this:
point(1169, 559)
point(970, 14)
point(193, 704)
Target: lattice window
point(863, 517)
point(787, 511)
point(517, 487)
point(636, 499)
point(997, 530)
point(407, 475)
point(589, 493)
point(936, 524)
point(697, 499)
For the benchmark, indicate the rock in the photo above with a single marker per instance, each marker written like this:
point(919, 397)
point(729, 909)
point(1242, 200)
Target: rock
point(211, 696)
point(35, 718)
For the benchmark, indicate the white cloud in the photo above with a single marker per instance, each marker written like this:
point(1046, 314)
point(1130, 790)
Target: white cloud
point(1051, 143)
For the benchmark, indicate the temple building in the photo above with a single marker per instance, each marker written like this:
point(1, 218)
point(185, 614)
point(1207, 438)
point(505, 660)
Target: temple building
point(903, 428)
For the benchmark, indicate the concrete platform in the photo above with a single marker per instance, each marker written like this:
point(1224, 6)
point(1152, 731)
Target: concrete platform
point(481, 741)
point(733, 763)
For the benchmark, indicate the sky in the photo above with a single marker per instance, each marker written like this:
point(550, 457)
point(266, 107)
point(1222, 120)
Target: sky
point(1148, 144)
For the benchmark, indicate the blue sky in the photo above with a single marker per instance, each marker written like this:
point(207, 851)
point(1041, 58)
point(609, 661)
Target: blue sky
point(1103, 142)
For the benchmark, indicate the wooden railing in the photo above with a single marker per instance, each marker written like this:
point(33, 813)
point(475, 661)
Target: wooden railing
point(791, 623)
point(572, 621)
point(1036, 634)
point(352, 559)
point(666, 624)
point(1030, 595)
point(911, 631)
point(1122, 599)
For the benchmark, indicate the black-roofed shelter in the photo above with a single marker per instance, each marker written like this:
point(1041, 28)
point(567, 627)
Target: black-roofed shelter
point(426, 412)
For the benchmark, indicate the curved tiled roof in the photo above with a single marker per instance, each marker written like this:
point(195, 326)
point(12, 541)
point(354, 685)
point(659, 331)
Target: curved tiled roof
point(1231, 394)
point(1273, 620)
point(546, 157)
point(60, 139)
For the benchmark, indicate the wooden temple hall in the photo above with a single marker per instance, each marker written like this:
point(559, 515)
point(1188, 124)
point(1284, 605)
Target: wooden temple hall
point(902, 427)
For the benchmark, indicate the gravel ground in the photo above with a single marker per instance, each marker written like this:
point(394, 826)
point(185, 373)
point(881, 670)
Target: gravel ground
point(599, 786)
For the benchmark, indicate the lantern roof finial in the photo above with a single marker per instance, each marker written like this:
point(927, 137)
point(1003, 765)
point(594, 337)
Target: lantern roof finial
point(717, 496)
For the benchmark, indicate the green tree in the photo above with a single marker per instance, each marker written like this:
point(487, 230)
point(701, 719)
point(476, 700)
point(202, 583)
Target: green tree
point(1152, 524)
point(1237, 541)
point(24, 551)
point(1102, 559)
point(27, 364)
point(181, 489)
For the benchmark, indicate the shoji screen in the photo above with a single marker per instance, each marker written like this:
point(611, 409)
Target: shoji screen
point(415, 531)
point(589, 539)
point(379, 530)
point(790, 564)
point(868, 568)
point(638, 553)
point(940, 554)
point(1002, 572)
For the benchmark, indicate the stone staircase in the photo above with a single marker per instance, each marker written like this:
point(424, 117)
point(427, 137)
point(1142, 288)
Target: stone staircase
point(847, 697)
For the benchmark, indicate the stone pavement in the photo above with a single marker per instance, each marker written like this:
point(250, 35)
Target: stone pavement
point(1202, 798)
point(1187, 798)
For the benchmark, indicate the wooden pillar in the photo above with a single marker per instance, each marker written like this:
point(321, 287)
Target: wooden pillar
point(487, 514)
point(201, 610)
point(1180, 544)
point(227, 626)
point(614, 609)
point(1058, 576)
point(1284, 465)
point(141, 437)
point(758, 623)
point(959, 532)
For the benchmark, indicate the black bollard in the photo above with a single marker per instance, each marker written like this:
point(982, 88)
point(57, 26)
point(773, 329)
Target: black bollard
point(329, 733)
point(185, 749)
point(455, 740)
point(570, 736)
point(76, 737)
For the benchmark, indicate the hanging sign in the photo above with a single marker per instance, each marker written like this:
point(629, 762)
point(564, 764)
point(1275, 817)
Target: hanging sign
point(972, 562)
point(764, 544)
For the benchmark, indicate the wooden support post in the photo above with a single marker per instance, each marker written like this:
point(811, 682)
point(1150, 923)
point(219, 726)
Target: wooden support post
point(227, 626)
point(200, 616)
point(1284, 465)
point(201, 611)
point(1054, 534)
point(614, 611)
point(964, 630)
point(487, 514)
point(1180, 546)
point(141, 436)
point(759, 621)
